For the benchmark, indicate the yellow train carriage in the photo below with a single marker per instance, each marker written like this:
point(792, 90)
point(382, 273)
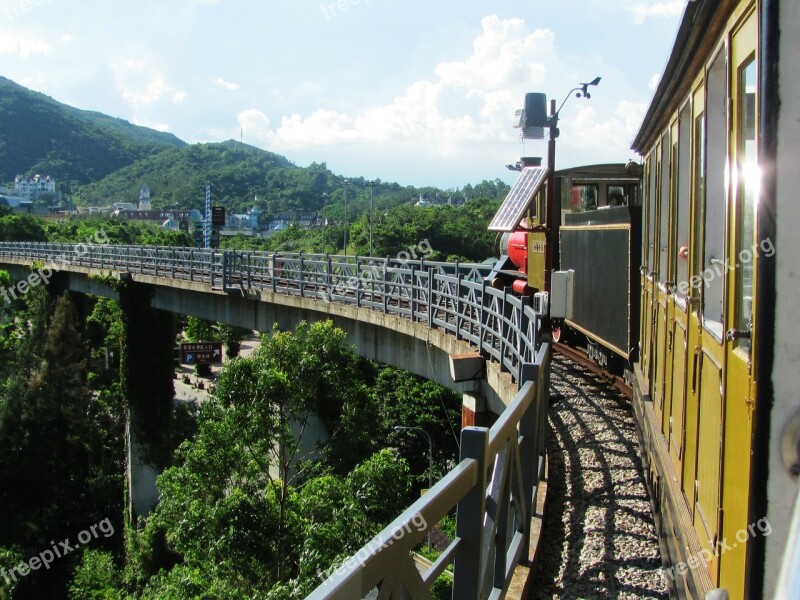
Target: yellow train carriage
point(703, 250)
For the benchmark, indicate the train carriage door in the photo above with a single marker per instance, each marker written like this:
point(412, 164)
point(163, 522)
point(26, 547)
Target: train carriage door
point(680, 269)
point(668, 285)
point(742, 248)
point(648, 269)
point(694, 299)
point(709, 359)
point(661, 288)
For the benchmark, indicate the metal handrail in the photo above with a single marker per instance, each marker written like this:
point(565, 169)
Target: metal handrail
point(492, 485)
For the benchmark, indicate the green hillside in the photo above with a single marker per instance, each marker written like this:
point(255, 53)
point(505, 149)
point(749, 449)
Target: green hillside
point(238, 174)
point(40, 135)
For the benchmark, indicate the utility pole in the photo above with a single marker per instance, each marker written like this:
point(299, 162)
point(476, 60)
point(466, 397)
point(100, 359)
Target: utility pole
point(371, 213)
point(346, 184)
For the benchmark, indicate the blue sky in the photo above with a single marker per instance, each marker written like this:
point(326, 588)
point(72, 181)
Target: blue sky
point(415, 92)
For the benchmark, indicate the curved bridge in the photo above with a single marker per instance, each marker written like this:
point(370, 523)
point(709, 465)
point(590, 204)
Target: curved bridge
point(416, 315)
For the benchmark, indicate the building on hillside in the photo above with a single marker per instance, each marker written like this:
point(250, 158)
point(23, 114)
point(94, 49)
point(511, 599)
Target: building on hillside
point(253, 217)
point(32, 188)
point(239, 221)
point(299, 220)
point(158, 216)
point(439, 200)
point(144, 198)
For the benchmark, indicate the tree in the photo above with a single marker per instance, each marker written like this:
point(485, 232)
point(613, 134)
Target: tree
point(59, 473)
point(411, 401)
point(21, 228)
point(200, 330)
point(240, 497)
point(232, 337)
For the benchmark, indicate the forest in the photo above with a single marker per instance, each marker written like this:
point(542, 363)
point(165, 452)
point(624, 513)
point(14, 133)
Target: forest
point(243, 512)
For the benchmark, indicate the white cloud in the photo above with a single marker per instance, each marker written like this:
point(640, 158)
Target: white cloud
point(257, 126)
point(141, 85)
point(601, 137)
point(23, 45)
point(227, 85)
point(645, 9)
point(459, 119)
point(67, 38)
point(466, 101)
point(654, 81)
point(156, 126)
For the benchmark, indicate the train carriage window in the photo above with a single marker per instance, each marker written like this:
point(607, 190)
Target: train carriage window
point(651, 213)
point(584, 197)
point(663, 211)
point(631, 193)
point(651, 220)
point(616, 195)
point(715, 263)
point(748, 177)
point(680, 255)
point(699, 202)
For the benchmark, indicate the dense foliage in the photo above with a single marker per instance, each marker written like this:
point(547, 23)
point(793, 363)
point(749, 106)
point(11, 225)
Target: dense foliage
point(61, 443)
point(27, 228)
point(405, 232)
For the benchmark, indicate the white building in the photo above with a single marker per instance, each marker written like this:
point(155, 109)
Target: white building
point(34, 187)
point(144, 198)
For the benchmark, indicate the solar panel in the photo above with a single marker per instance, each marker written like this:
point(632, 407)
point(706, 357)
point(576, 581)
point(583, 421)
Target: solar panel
point(518, 199)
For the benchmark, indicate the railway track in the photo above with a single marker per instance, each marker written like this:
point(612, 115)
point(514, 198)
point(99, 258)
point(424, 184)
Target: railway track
point(598, 535)
point(575, 355)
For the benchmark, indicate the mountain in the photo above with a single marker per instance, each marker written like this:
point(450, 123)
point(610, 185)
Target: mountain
point(99, 160)
point(238, 174)
point(178, 176)
point(41, 135)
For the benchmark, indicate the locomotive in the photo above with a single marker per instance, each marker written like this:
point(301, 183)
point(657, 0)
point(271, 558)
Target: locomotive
point(593, 302)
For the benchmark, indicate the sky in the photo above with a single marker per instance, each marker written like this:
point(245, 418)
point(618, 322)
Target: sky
point(422, 93)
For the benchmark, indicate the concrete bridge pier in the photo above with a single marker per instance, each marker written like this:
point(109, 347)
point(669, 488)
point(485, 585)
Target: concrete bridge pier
point(148, 372)
point(141, 474)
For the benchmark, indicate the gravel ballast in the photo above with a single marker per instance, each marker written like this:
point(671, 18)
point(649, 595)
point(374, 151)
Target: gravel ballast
point(598, 538)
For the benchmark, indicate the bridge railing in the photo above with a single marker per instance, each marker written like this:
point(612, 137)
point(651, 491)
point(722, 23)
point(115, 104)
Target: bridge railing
point(492, 485)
